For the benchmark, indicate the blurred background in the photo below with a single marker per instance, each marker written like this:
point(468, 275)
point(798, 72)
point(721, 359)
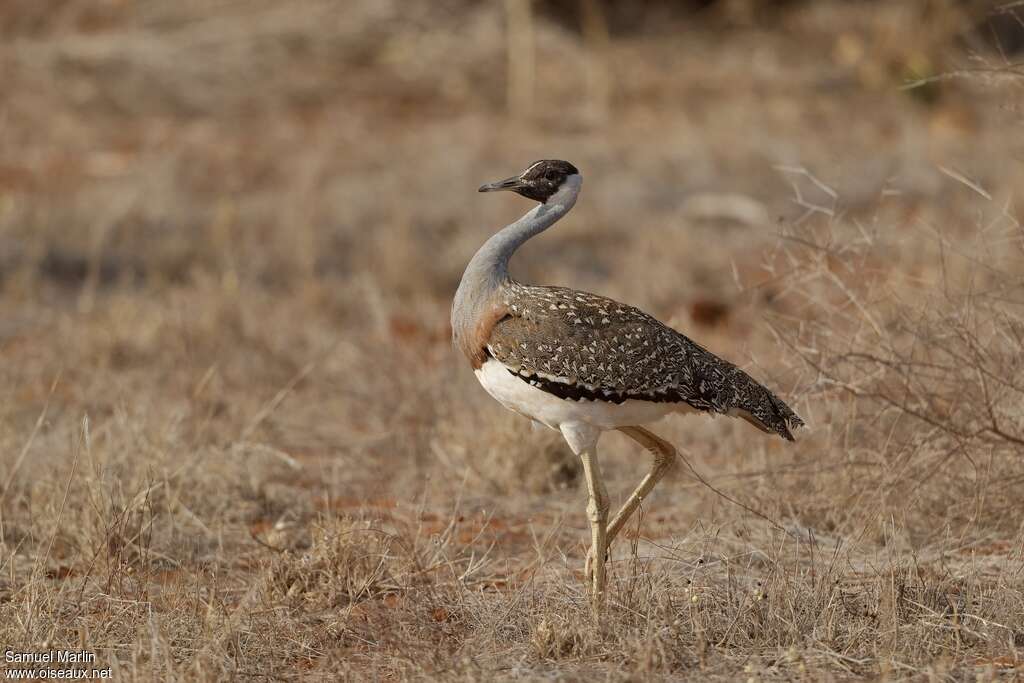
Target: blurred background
point(230, 232)
point(271, 146)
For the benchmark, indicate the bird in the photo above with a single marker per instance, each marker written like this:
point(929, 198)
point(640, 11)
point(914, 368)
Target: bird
point(584, 364)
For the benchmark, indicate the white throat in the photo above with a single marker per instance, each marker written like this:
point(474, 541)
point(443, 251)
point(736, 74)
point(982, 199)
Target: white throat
point(488, 269)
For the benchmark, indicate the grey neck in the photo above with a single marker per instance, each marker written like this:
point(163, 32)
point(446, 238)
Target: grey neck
point(487, 272)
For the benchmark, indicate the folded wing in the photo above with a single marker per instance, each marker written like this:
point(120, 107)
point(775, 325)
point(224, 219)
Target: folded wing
point(582, 346)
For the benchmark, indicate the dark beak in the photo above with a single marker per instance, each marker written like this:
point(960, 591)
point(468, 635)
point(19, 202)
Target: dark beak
point(507, 184)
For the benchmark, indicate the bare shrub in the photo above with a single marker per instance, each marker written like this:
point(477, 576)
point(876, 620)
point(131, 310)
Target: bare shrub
point(926, 362)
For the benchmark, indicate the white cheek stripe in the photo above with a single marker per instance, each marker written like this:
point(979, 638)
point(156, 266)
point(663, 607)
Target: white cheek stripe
point(532, 166)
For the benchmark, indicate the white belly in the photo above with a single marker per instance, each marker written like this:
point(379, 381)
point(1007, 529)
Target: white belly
point(536, 404)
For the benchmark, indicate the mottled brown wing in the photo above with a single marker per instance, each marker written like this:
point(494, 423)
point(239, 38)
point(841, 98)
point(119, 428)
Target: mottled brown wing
point(583, 346)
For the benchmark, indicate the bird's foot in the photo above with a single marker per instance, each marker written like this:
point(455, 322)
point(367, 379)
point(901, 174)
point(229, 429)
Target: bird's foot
point(588, 568)
point(596, 577)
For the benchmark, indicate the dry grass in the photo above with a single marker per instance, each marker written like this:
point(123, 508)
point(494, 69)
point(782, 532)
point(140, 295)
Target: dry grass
point(235, 440)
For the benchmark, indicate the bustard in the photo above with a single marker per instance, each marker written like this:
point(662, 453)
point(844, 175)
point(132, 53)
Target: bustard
point(584, 364)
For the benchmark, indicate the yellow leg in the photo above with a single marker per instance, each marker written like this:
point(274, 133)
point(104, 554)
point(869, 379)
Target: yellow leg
point(597, 513)
point(583, 441)
point(664, 455)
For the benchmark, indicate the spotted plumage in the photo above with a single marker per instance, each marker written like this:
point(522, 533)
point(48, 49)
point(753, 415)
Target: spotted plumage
point(582, 346)
point(585, 364)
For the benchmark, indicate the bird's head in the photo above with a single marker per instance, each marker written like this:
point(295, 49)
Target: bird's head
point(538, 182)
